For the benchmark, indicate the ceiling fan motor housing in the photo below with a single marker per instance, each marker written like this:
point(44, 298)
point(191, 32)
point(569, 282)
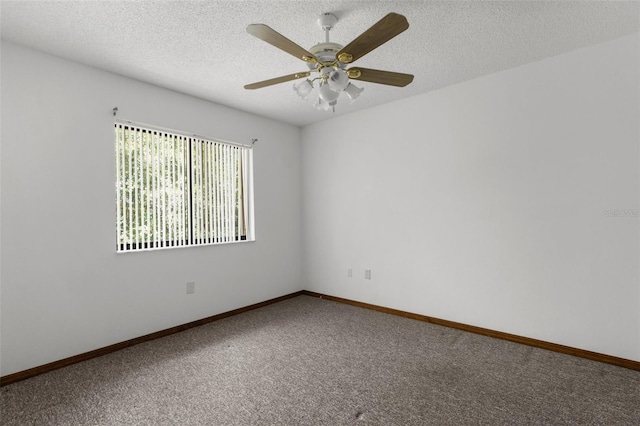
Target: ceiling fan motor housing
point(326, 54)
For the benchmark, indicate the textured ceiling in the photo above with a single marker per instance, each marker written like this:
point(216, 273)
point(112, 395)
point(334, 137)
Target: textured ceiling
point(201, 47)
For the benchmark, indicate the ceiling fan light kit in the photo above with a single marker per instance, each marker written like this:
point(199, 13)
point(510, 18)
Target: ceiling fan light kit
point(327, 62)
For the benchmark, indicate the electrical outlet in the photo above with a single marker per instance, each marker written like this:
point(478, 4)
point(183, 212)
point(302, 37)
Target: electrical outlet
point(367, 274)
point(191, 287)
point(350, 272)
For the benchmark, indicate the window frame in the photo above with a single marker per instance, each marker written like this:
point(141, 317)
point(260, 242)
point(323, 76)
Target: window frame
point(233, 178)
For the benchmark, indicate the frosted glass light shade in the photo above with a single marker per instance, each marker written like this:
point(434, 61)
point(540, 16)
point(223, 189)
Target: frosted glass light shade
point(338, 80)
point(322, 105)
point(353, 91)
point(327, 94)
point(303, 88)
point(326, 106)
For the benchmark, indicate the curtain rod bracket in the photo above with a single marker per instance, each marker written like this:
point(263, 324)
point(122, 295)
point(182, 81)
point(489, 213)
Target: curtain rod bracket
point(115, 111)
point(253, 141)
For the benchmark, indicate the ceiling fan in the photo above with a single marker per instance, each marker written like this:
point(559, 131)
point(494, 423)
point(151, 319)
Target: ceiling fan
point(327, 62)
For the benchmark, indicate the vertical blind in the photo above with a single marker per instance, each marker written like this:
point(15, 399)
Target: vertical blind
point(176, 190)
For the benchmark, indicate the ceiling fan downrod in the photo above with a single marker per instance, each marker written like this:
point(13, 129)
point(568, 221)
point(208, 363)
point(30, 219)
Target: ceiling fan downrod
point(327, 21)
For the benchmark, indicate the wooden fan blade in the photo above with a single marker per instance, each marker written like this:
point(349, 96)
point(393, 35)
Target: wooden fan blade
point(277, 80)
point(380, 33)
point(276, 39)
point(380, 77)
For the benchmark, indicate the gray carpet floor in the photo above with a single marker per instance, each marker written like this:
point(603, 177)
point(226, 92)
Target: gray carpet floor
point(308, 361)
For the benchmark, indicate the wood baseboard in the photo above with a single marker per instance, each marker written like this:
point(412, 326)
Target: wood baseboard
point(22, 375)
point(595, 356)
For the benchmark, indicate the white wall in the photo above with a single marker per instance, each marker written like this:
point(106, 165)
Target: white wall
point(485, 202)
point(64, 290)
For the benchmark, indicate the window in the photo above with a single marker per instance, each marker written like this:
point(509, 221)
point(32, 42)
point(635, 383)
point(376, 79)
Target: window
point(176, 190)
